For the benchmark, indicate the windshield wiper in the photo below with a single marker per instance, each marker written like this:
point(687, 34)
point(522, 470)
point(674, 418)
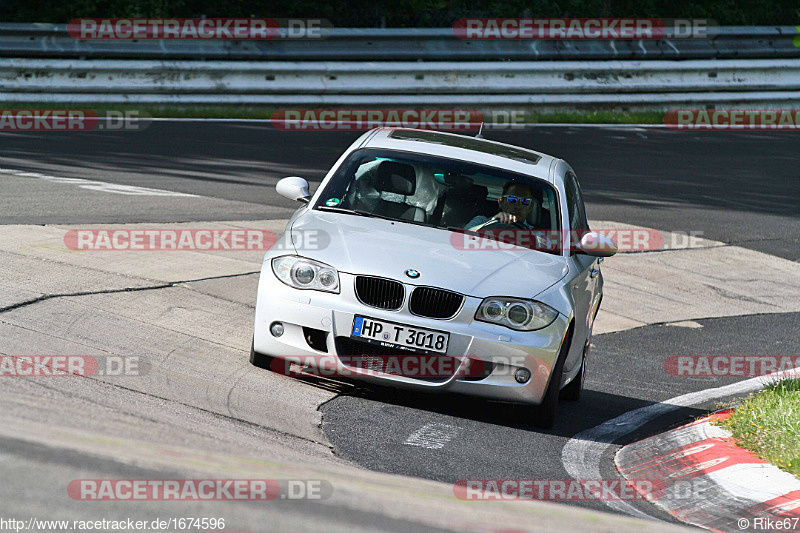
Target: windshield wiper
point(375, 215)
point(369, 214)
point(347, 211)
point(464, 230)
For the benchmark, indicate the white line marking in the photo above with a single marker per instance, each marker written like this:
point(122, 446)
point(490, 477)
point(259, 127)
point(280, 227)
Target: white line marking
point(685, 324)
point(98, 185)
point(581, 455)
point(432, 436)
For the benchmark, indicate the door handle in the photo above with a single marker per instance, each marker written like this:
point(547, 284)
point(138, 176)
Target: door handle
point(593, 273)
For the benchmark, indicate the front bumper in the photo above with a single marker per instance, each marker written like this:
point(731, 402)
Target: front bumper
point(332, 315)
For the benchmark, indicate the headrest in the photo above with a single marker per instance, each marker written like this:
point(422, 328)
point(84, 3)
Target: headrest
point(533, 216)
point(479, 192)
point(397, 178)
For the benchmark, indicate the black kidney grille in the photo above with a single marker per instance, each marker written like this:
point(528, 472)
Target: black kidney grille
point(434, 303)
point(379, 292)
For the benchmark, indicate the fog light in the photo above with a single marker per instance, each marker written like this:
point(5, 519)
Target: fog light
point(276, 328)
point(522, 375)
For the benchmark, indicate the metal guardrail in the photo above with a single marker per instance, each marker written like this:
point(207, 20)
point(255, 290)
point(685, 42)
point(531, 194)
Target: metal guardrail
point(395, 78)
point(436, 44)
point(404, 67)
point(557, 83)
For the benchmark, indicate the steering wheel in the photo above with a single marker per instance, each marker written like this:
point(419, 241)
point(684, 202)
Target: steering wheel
point(535, 240)
point(501, 225)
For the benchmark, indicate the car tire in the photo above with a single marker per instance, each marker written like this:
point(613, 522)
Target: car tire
point(544, 415)
point(259, 359)
point(572, 392)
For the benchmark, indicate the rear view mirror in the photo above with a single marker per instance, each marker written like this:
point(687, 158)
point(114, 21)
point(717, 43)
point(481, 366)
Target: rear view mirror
point(597, 245)
point(294, 188)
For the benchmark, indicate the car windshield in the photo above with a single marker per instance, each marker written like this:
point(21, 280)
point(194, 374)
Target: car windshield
point(439, 192)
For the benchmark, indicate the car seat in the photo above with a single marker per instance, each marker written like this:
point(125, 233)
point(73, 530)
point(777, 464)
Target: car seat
point(399, 179)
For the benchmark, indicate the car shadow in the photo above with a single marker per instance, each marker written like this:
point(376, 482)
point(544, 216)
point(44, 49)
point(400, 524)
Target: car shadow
point(594, 408)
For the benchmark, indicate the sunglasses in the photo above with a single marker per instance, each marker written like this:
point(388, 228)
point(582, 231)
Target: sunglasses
point(511, 199)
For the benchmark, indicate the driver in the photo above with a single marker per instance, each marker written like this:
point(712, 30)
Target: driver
point(516, 204)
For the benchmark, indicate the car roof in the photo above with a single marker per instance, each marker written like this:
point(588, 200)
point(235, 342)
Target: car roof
point(462, 147)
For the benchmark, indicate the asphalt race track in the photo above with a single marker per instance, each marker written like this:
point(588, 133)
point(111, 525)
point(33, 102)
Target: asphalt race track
point(695, 181)
point(201, 407)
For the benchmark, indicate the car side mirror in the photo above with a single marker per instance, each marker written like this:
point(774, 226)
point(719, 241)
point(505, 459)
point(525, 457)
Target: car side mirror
point(294, 188)
point(597, 245)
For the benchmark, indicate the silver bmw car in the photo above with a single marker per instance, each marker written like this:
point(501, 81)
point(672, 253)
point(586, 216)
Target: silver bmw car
point(437, 262)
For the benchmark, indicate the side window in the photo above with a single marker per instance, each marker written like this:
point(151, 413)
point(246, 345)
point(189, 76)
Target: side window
point(575, 207)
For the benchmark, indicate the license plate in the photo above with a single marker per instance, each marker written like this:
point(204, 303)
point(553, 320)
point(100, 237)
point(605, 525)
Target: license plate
point(392, 335)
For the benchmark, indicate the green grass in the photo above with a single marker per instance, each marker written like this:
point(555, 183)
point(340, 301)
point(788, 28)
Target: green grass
point(768, 423)
point(600, 117)
point(264, 112)
point(161, 111)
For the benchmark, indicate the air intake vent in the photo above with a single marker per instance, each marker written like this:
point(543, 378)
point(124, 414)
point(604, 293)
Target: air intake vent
point(435, 303)
point(387, 360)
point(379, 292)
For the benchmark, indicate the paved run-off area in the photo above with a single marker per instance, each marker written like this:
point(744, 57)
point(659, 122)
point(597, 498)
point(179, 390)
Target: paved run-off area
point(201, 407)
point(201, 410)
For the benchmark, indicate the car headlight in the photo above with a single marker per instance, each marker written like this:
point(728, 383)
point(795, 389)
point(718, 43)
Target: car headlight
point(302, 273)
point(515, 313)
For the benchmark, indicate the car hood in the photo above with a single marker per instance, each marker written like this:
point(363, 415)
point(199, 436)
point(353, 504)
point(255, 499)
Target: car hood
point(385, 248)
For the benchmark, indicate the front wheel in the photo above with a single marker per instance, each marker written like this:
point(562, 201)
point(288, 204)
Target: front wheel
point(572, 392)
point(544, 415)
point(259, 359)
